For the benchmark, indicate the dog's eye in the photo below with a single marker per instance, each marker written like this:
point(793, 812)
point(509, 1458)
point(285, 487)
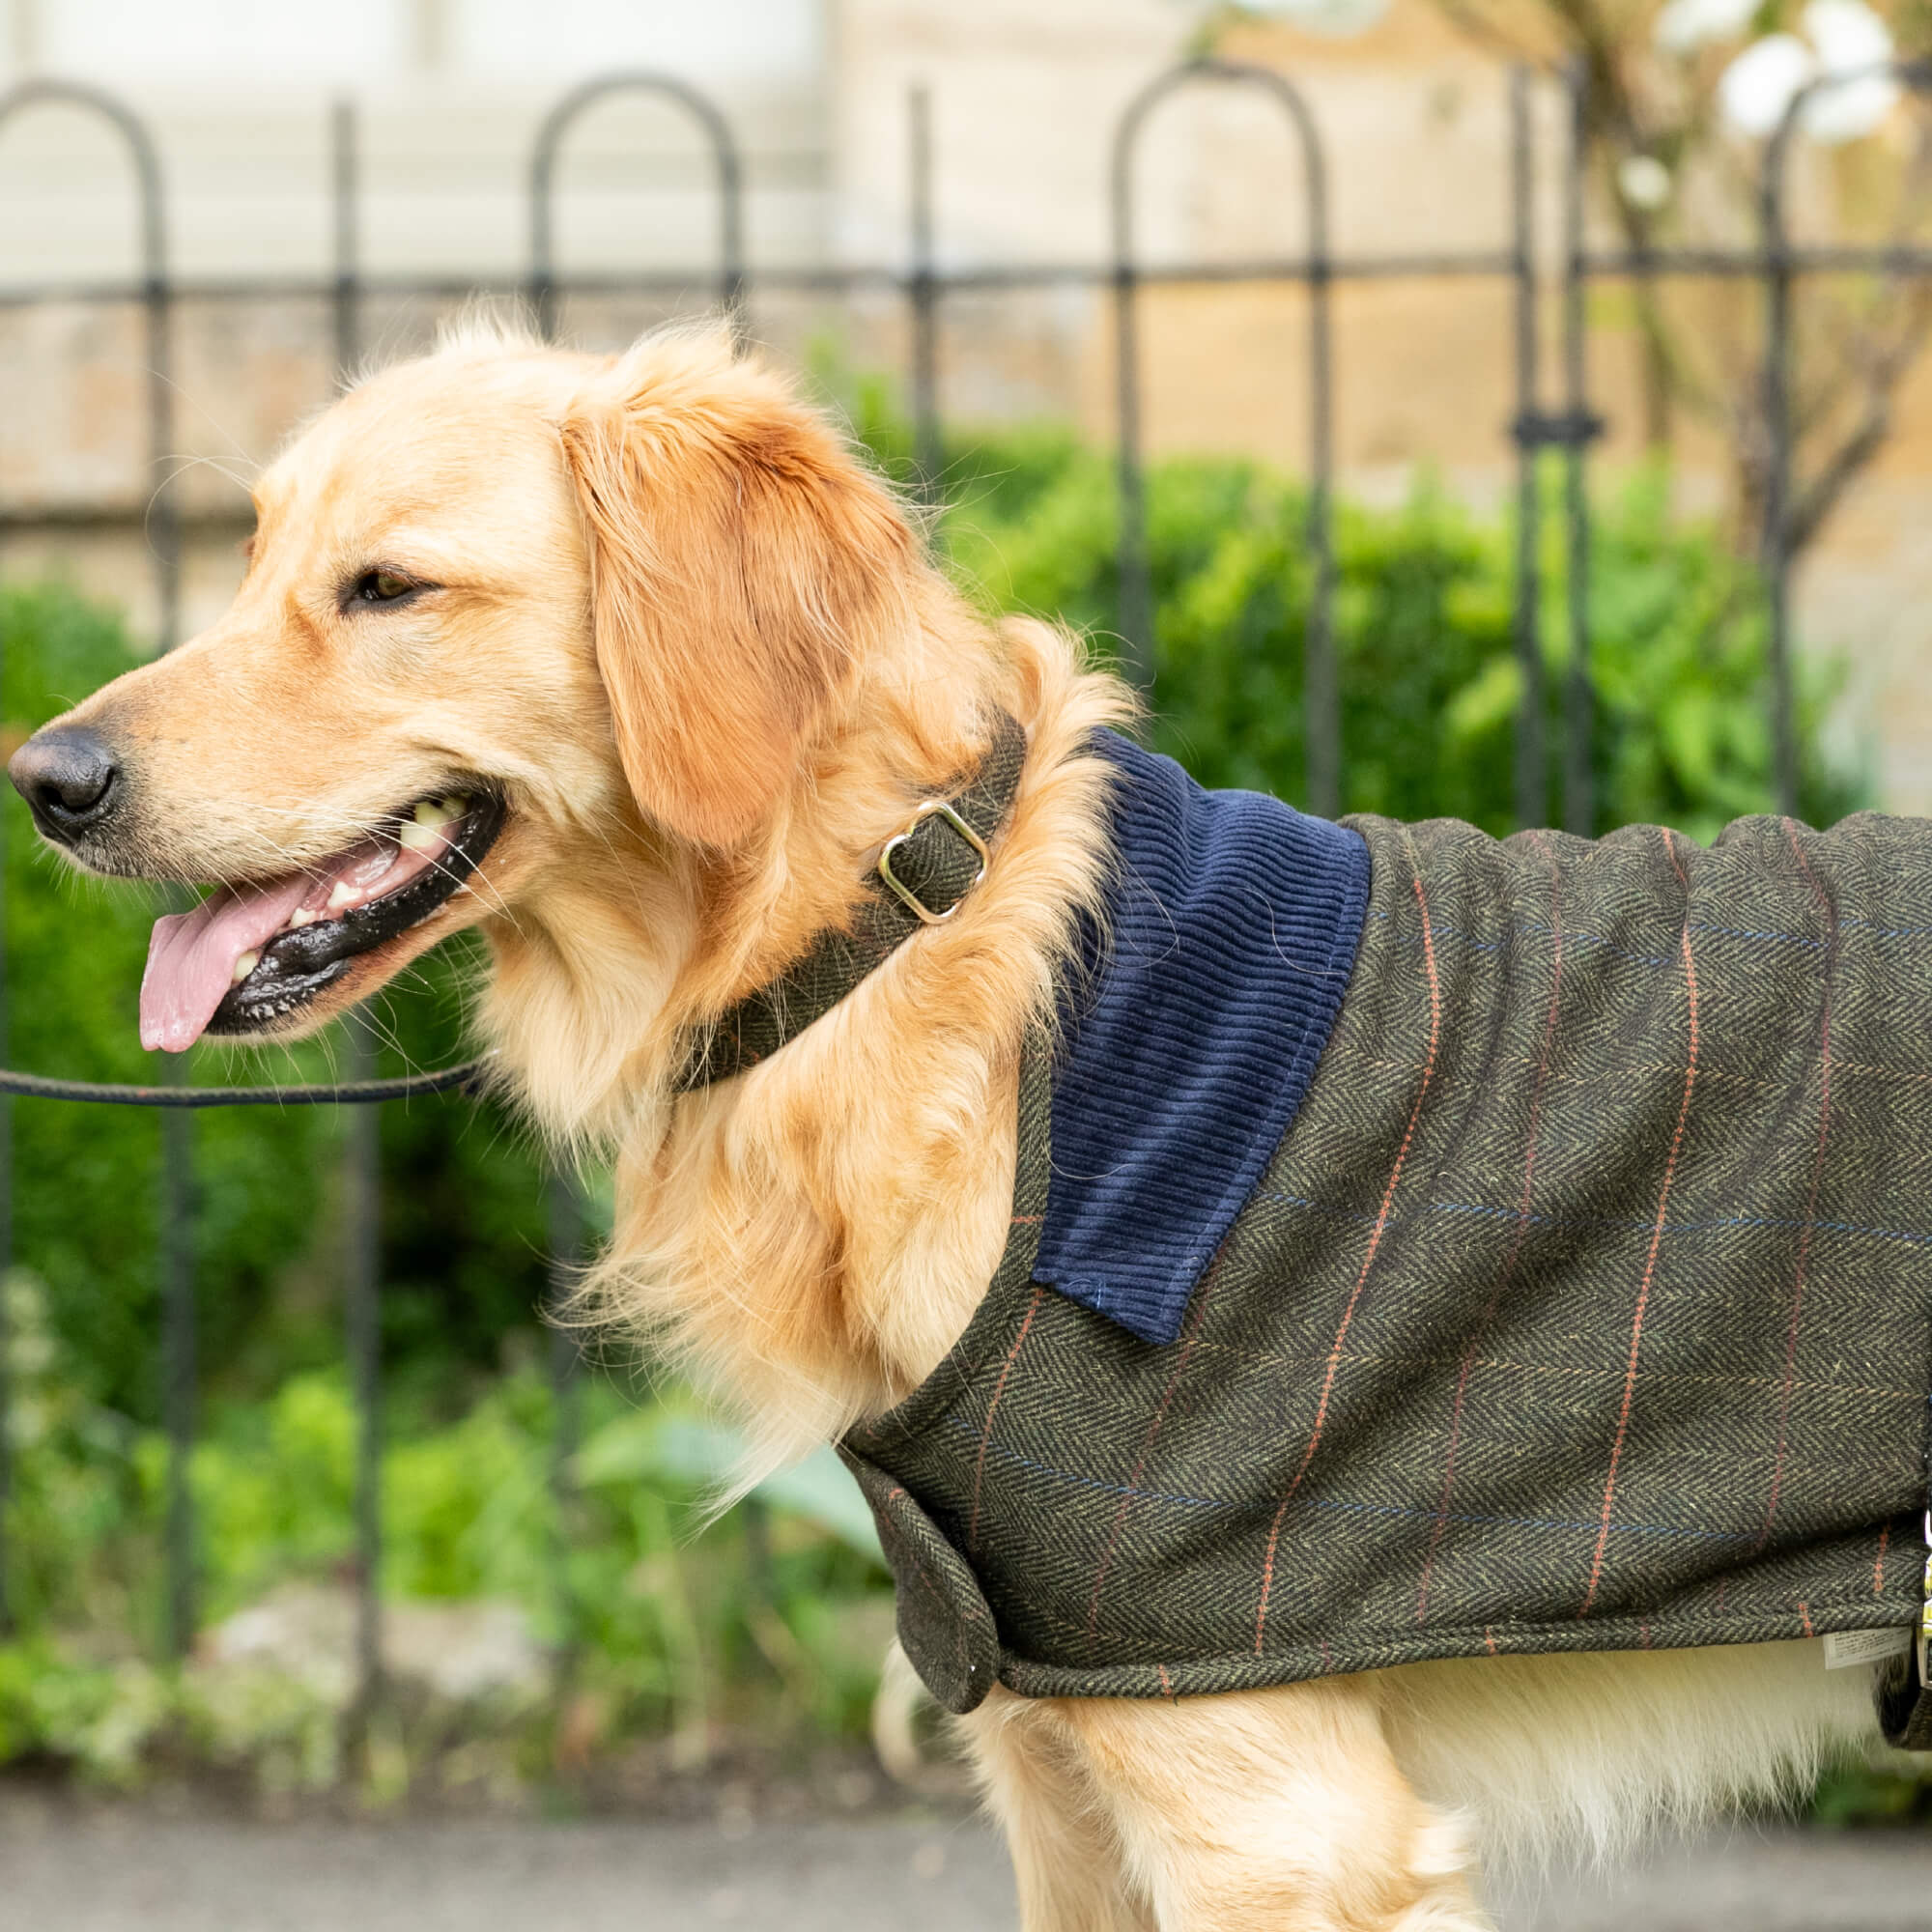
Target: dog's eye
point(382, 586)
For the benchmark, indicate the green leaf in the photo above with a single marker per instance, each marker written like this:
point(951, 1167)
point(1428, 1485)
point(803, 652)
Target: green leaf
point(1492, 697)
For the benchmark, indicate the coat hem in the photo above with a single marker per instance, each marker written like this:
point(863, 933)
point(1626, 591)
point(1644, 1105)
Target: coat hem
point(1213, 1675)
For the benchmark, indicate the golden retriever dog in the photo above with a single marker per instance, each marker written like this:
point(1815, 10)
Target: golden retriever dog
point(629, 663)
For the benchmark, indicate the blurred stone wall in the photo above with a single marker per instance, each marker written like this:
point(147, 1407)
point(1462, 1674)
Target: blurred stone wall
point(1024, 98)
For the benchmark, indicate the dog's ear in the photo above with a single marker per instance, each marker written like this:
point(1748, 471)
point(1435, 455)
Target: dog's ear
point(740, 563)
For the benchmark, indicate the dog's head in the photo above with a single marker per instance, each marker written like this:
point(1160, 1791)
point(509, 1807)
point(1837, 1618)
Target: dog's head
point(499, 602)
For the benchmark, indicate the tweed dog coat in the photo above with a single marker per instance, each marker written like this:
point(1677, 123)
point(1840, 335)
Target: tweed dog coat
point(1425, 1246)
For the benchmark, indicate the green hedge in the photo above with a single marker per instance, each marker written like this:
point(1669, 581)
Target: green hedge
point(672, 1632)
point(1430, 686)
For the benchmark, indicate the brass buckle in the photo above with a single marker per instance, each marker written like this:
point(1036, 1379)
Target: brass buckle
point(903, 891)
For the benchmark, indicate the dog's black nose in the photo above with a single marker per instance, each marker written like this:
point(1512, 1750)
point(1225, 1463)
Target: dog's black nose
point(68, 777)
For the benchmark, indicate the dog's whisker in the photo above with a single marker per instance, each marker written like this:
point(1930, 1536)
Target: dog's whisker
point(186, 460)
point(214, 422)
point(476, 882)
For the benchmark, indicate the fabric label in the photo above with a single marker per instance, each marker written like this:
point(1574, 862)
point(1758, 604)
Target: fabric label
point(1844, 1648)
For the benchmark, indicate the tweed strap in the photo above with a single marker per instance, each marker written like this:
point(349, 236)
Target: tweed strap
point(920, 879)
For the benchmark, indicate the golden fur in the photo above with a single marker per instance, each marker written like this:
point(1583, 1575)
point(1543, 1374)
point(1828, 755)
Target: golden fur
point(705, 656)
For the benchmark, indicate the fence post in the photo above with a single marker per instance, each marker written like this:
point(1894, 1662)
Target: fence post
point(362, 1138)
point(1774, 542)
point(344, 181)
point(179, 1313)
point(1321, 690)
point(566, 1231)
point(164, 539)
point(362, 1334)
point(1532, 787)
point(923, 294)
point(178, 1351)
point(1578, 702)
point(1136, 590)
point(729, 169)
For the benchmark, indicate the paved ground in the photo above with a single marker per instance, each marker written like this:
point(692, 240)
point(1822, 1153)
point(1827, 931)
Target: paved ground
point(1750, 1882)
point(119, 1870)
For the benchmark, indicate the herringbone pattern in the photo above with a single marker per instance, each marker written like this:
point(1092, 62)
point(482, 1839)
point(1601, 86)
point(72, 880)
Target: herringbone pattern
point(1587, 1302)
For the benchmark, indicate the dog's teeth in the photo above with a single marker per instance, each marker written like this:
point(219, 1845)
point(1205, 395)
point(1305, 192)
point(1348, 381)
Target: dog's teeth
point(303, 916)
point(244, 964)
point(422, 830)
point(339, 895)
point(433, 813)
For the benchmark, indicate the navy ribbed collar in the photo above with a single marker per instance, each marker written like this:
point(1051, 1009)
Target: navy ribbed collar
point(1233, 926)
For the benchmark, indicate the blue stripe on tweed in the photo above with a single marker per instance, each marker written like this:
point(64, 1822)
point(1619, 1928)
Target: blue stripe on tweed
point(1234, 923)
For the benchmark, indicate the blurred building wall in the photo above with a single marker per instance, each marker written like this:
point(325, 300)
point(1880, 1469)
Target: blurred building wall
point(1024, 96)
point(449, 93)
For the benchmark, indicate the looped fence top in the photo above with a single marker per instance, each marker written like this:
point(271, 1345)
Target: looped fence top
point(467, 1078)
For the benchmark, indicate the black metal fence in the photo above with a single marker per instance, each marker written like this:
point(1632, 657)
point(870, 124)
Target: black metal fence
point(1571, 425)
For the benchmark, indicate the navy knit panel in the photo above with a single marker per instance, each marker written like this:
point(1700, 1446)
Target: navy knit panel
point(1233, 925)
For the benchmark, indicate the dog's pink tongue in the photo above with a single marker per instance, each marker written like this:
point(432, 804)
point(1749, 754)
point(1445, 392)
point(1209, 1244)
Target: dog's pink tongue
point(191, 957)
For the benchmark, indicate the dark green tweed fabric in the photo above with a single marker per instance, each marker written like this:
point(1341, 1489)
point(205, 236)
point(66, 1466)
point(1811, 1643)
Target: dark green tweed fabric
point(1587, 1304)
point(944, 1625)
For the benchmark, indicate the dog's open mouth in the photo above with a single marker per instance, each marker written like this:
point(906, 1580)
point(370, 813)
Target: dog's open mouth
point(250, 955)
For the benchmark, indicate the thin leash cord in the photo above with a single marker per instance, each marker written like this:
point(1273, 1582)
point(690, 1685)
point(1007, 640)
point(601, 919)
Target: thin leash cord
point(467, 1078)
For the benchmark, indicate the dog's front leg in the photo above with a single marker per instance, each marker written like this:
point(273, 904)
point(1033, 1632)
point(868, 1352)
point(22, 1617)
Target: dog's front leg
point(1272, 1809)
point(1067, 1859)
